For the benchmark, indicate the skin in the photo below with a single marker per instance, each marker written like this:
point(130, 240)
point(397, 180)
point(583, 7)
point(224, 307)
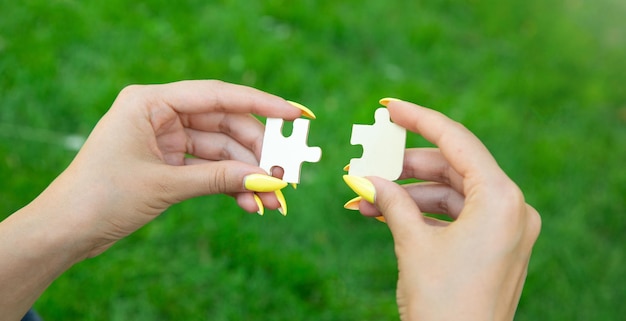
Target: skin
point(131, 169)
point(472, 268)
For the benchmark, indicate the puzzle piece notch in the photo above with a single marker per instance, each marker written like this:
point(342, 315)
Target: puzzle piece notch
point(287, 152)
point(383, 147)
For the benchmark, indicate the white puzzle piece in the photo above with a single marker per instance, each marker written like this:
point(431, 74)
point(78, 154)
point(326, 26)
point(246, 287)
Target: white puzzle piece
point(383, 147)
point(287, 152)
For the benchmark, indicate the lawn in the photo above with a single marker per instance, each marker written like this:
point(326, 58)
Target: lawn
point(540, 82)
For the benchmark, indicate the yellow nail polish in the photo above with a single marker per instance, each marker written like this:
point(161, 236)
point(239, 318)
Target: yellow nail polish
point(361, 186)
point(294, 185)
point(346, 168)
point(263, 183)
point(283, 203)
point(353, 204)
point(386, 101)
point(259, 204)
point(381, 219)
point(306, 112)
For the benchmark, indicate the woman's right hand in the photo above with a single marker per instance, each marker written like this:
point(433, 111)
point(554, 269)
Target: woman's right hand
point(474, 267)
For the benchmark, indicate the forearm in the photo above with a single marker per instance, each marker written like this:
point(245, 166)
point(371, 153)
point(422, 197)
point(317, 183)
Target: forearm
point(37, 244)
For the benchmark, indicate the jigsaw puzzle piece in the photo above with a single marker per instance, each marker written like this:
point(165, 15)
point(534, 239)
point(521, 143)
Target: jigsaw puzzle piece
point(383, 147)
point(287, 152)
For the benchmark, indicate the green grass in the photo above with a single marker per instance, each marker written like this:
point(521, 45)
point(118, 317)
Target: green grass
point(541, 82)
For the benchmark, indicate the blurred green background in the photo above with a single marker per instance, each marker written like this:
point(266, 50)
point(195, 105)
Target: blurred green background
point(541, 82)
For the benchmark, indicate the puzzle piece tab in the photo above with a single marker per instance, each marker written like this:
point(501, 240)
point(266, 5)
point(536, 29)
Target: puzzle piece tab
point(287, 152)
point(383, 147)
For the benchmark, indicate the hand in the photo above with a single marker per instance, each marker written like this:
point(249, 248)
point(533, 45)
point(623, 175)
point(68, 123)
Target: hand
point(134, 164)
point(474, 267)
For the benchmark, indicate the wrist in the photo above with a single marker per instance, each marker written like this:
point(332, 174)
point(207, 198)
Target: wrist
point(48, 233)
point(451, 304)
point(60, 224)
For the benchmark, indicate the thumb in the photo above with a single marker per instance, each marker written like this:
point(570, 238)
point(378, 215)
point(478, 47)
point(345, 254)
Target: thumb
point(401, 213)
point(220, 177)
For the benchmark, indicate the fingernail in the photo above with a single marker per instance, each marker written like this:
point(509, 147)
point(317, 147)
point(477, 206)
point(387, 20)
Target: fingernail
point(381, 219)
point(306, 112)
point(263, 183)
point(259, 204)
point(346, 168)
point(283, 203)
point(386, 101)
point(294, 185)
point(353, 204)
point(361, 186)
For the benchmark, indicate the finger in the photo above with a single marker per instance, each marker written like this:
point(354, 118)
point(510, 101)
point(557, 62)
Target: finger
point(204, 178)
point(218, 146)
point(269, 199)
point(403, 216)
point(201, 96)
point(428, 164)
point(434, 198)
point(464, 151)
point(244, 128)
point(245, 201)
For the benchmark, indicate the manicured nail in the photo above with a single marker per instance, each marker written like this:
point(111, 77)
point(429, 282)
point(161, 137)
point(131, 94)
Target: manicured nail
point(294, 185)
point(283, 203)
point(381, 219)
point(353, 204)
point(259, 204)
point(263, 183)
point(305, 111)
point(346, 168)
point(361, 186)
point(386, 101)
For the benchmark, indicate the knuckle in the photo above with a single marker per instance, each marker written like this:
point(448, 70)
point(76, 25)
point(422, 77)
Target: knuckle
point(508, 191)
point(443, 202)
point(534, 222)
point(386, 201)
point(164, 191)
point(131, 90)
point(225, 152)
point(216, 98)
point(445, 172)
point(133, 96)
point(257, 148)
point(225, 125)
point(218, 181)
